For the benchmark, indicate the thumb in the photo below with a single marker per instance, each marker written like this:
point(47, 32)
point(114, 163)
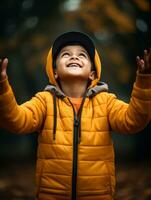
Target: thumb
point(4, 68)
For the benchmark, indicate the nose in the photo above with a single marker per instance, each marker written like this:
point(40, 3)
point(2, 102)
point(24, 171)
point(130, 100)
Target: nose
point(74, 57)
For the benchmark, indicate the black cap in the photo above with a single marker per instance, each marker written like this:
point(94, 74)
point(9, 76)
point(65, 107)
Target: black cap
point(73, 38)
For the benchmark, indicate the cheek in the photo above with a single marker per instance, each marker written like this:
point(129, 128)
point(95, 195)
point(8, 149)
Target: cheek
point(60, 63)
point(89, 66)
point(87, 62)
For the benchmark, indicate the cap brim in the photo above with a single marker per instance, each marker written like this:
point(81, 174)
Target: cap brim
point(72, 38)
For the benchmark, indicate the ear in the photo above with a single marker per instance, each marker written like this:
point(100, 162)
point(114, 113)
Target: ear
point(55, 74)
point(92, 75)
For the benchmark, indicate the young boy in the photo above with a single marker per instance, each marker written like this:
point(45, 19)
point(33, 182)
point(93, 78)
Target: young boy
point(74, 117)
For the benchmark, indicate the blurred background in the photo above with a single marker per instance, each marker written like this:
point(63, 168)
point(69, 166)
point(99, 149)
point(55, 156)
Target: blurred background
point(121, 30)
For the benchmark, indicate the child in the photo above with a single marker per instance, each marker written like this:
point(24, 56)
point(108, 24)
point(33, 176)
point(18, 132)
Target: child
point(74, 117)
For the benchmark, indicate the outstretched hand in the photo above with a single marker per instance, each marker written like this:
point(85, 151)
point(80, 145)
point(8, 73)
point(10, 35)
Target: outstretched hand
point(3, 68)
point(144, 65)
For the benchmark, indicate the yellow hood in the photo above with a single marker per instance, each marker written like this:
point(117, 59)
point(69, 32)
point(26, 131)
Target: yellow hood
point(50, 73)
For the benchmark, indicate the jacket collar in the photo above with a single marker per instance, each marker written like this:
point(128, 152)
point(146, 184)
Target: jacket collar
point(100, 87)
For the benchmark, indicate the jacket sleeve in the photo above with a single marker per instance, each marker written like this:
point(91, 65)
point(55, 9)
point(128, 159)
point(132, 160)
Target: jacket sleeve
point(24, 118)
point(132, 117)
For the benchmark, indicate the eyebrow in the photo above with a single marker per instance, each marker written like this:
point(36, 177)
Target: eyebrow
point(83, 50)
point(62, 50)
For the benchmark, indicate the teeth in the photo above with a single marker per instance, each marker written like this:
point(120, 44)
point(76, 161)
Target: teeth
point(73, 65)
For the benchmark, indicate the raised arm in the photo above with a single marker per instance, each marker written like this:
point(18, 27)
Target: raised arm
point(24, 118)
point(133, 117)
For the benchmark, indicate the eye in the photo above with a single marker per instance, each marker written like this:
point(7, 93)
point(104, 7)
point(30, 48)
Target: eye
point(65, 54)
point(83, 55)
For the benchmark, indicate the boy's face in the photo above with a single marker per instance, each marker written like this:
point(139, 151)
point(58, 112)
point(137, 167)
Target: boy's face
point(73, 61)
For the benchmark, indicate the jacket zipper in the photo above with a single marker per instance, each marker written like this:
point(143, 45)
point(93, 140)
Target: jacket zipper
point(75, 157)
point(75, 149)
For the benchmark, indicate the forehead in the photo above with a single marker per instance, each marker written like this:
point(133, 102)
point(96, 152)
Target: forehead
point(73, 47)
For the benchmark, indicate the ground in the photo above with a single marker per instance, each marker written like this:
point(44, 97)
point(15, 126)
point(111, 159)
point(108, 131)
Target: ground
point(17, 181)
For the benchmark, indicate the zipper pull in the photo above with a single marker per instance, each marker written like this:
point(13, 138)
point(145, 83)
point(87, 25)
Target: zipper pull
point(76, 125)
point(76, 122)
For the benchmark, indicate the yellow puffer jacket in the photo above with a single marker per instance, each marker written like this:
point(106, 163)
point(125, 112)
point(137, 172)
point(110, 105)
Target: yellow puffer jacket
point(75, 158)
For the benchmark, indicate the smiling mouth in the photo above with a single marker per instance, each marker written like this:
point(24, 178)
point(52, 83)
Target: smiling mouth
point(74, 65)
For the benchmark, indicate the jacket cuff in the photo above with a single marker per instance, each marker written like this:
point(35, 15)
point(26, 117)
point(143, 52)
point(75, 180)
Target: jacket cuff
point(143, 81)
point(4, 86)
point(142, 87)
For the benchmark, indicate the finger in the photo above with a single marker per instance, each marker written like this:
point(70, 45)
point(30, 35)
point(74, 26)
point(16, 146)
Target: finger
point(142, 64)
point(4, 64)
point(4, 67)
point(146, 64)
point(138, 62)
